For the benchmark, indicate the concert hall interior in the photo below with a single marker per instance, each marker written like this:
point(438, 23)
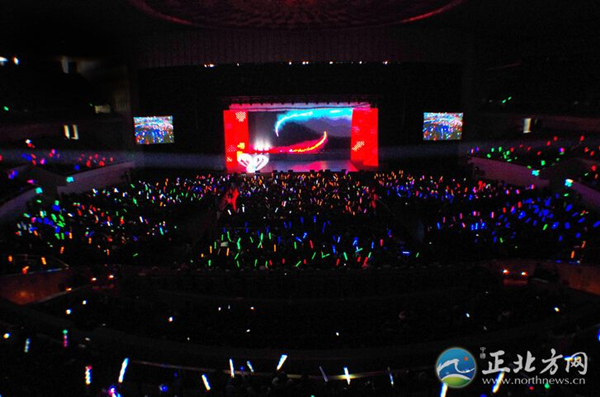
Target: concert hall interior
point(306, 198)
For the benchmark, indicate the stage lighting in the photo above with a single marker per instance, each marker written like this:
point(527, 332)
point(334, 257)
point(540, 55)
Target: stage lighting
point(123, 369)
point(444, 390)
point(323, 374)
point(498, 382)
point(88, 375)
point(112, 391)
point(281, 361)
point(347, 375)
point(206, 384)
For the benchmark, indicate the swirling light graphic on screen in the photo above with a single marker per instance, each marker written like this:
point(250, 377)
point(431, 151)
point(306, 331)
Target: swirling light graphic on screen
point(339, 113)
point(312, 148)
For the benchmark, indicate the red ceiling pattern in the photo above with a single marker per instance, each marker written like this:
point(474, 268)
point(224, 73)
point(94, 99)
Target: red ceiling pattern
point(293, 14)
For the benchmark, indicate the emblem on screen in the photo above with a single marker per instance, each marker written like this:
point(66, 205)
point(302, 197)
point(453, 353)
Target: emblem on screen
point(253, 162)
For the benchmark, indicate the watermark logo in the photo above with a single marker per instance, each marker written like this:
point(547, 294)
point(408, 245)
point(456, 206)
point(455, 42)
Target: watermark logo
point(456, 367)
point(576, 362)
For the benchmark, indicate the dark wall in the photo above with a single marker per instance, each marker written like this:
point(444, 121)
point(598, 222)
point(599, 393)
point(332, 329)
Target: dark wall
point(202, 46)
point(193, 95)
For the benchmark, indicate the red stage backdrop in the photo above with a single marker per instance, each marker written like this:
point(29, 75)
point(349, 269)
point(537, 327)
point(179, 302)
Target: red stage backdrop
point(311, 133)
point(364, 147)
point(236, 137)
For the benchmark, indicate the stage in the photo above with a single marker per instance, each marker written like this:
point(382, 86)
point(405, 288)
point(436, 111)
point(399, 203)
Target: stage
point(307, 166)
point(301, 137)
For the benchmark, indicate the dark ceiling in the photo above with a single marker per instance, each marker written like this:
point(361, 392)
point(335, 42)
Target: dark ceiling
point(95, 27)
point(524, 18)
point(293, 14)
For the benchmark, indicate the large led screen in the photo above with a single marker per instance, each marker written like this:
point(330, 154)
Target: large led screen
point(442, 126)
point(153, 130)
point(287, 136)
point(317, 131)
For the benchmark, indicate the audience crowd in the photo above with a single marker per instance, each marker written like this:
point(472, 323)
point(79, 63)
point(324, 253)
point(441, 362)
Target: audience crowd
point(317, 220)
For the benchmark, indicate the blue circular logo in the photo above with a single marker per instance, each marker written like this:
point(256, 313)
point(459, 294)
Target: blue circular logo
point(456, 367)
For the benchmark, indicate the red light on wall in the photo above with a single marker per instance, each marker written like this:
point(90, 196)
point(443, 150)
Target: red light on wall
point(363, 150)
point(236, 137)
point(364, 138)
